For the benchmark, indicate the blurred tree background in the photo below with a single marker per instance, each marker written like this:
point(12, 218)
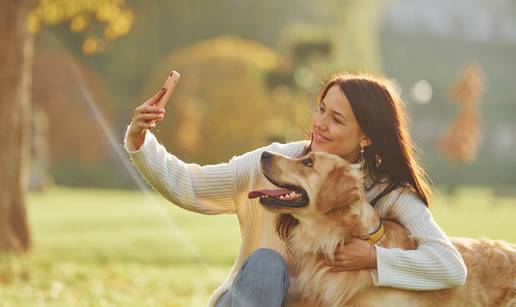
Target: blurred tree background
point(252, 70)
point(29, 137)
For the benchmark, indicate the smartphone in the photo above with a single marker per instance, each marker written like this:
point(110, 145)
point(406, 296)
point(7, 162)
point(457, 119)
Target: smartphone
point(170, 85)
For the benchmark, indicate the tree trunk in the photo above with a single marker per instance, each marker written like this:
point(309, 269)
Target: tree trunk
point(15, 81)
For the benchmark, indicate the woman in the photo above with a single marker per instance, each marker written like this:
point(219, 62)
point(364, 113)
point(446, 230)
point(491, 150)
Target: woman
point(359, 118)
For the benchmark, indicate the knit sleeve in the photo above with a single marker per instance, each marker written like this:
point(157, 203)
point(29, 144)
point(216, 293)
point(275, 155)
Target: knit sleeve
point(435, 264)
point(208, 189)
point(204, 189)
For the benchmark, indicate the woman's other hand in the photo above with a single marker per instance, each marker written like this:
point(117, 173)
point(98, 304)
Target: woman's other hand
point(145, 117)
point(355, 255)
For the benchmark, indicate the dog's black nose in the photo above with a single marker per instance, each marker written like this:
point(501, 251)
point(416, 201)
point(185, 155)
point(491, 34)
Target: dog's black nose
point(266, 156)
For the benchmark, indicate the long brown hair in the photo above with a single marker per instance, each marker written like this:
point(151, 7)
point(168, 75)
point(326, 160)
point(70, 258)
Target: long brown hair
point(381, 115)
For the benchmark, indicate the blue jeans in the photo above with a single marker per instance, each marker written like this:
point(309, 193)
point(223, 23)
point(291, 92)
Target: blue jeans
point(263, 280)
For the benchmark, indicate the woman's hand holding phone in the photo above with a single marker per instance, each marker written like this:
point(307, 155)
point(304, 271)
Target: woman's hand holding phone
point(149, 113)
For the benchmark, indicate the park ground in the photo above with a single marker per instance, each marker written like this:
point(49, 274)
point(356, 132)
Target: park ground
point(95, 247)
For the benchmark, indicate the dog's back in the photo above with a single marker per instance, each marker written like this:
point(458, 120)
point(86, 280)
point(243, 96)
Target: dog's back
point(491, 271)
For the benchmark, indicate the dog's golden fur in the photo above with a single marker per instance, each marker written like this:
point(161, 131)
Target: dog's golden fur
point(337, 211)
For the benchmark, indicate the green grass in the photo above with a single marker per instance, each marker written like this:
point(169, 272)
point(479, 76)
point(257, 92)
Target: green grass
point(115, 248)
point(476, 212)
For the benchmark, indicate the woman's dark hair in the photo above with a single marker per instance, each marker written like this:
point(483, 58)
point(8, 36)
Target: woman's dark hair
point(381, 115)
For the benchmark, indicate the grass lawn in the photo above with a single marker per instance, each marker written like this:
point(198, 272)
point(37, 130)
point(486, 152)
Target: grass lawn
point(119, 248)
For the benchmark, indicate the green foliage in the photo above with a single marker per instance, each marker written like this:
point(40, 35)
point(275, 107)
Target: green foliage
point(115, 18)
point(222, 105)
point(354, 25)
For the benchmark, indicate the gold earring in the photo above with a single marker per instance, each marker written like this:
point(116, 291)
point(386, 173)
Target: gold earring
point(361, 161)
point(378, 159)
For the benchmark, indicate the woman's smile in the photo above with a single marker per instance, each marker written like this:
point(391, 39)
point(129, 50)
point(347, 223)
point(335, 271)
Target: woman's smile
point(321, 138)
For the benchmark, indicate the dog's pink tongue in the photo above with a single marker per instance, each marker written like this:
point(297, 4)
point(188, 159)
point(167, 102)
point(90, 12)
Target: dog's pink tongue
point(272, 193)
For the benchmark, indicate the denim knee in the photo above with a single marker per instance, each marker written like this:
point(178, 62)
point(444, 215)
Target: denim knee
point(262, 281)
point(265, 259)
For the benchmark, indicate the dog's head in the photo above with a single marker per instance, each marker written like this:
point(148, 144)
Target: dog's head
point(318, 186)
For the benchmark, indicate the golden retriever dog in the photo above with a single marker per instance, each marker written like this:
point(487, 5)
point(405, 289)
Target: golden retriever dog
point(324, 194)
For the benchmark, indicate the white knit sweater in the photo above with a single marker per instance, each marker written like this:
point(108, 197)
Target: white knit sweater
point(222, 188)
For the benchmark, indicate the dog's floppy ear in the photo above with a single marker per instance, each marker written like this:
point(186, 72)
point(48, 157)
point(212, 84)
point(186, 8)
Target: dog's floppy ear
point(340, 188)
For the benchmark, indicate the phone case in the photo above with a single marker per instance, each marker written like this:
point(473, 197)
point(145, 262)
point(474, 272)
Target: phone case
point(170, 85)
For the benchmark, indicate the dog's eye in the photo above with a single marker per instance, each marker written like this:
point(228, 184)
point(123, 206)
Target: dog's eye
point(336, 210)
point(307, 162)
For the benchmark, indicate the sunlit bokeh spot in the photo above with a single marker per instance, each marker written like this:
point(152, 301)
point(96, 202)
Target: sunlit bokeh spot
point(422, 92)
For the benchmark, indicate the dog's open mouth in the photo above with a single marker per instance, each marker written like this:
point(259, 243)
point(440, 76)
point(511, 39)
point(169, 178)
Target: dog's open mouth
point(285, 196)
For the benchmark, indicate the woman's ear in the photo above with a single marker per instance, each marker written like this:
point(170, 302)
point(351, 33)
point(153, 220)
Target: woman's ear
point(366, 141)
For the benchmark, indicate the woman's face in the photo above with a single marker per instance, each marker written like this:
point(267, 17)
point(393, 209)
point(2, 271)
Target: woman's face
point(335, 127)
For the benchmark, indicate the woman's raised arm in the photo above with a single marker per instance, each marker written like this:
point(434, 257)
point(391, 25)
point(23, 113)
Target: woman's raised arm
point(209, 189)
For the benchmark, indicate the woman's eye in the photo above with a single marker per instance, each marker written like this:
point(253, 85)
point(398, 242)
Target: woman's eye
point(307, 162)
point(337, 121)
